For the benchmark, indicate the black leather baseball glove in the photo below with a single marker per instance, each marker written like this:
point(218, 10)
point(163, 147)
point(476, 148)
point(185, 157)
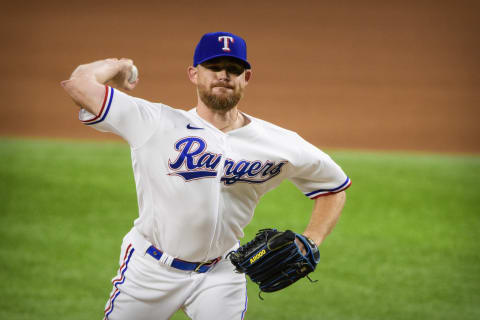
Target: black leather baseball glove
point(273, 260)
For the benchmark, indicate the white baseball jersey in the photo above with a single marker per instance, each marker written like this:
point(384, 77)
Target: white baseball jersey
point(197, 186)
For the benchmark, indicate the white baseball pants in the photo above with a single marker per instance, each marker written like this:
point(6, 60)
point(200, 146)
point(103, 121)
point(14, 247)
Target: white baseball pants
point(146, 289)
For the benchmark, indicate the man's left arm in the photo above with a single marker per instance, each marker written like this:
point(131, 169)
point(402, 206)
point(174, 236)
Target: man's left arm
point(325, 214)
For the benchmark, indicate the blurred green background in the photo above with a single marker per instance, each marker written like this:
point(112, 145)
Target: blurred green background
point(406, 246)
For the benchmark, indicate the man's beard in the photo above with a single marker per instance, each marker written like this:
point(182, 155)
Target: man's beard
point(222, 102)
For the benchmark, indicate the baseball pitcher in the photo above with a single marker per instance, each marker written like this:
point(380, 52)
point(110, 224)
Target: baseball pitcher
point(199, 175)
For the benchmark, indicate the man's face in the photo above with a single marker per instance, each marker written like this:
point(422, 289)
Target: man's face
point(221, 82)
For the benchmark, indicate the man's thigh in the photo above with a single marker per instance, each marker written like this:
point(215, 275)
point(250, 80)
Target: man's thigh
point(145, 290)
point(219, 294)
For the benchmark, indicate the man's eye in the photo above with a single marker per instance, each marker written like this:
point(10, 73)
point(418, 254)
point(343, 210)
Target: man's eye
point(214, 68)
point(236, 70)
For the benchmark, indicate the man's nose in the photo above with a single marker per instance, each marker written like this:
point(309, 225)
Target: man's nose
point(223, 75)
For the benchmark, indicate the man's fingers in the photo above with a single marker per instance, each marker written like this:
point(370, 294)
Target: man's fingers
point(127, 63)
point(131, 85)
point(301, 246)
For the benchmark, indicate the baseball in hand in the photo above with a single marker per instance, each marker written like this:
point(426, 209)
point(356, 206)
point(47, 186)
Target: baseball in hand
point(133, 74)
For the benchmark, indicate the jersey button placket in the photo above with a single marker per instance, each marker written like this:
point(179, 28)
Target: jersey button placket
point(224, 148)
point(221, 149)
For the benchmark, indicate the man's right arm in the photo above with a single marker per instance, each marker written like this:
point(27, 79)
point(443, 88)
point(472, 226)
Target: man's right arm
point(86, 85)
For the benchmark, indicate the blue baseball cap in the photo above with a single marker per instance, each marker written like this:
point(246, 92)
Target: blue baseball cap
point(220, 44)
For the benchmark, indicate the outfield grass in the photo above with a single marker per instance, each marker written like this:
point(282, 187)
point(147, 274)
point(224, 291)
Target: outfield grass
point(406, 247)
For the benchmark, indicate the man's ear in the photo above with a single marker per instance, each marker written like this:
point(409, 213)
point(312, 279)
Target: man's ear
point(192, 74)
point(248, 75)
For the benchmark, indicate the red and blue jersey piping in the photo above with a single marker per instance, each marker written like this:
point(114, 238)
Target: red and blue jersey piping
point(323, 192)
point(107, 101)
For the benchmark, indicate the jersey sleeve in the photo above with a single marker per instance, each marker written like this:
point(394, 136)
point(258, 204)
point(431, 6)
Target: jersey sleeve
point(315, 173)
point(132, 118)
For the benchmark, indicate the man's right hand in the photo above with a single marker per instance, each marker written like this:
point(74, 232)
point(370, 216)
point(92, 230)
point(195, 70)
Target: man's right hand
point(120, 80)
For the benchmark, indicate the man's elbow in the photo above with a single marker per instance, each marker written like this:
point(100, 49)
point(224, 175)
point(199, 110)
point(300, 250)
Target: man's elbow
point(84, 91)
point(75, 89)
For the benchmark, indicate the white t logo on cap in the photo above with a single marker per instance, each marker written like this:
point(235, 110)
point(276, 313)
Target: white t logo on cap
point(226, 44)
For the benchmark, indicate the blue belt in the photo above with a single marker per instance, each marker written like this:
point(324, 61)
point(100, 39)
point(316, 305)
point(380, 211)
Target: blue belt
point(200, 267)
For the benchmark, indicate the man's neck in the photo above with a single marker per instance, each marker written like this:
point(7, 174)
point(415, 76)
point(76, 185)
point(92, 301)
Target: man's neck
point(222, 120)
